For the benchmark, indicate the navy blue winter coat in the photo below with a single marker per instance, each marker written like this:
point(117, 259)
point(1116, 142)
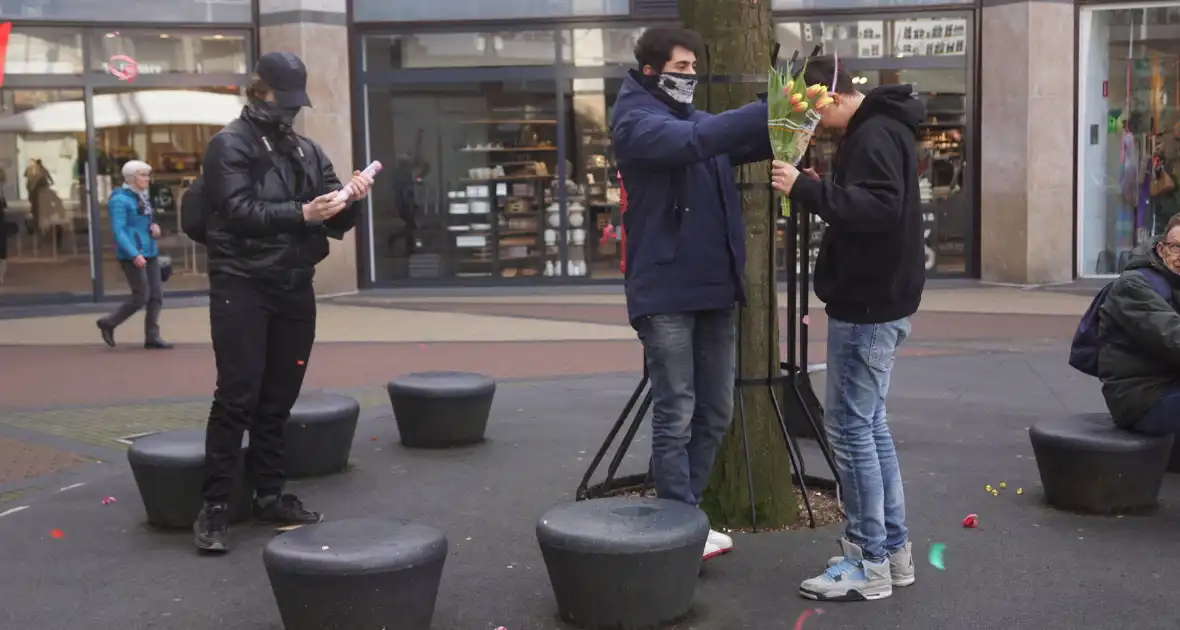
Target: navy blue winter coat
point(686, 246)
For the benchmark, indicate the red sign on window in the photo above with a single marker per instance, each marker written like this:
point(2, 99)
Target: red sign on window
point(1105, 89)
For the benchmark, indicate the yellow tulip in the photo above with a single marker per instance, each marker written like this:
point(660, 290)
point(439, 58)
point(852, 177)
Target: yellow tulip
point(823, 102)
point(790, 86)
point(800, 108)
point(796, 99)
point(816, 89)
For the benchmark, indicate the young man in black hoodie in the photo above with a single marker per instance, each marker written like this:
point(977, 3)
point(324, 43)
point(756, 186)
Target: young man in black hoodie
point(870, 273)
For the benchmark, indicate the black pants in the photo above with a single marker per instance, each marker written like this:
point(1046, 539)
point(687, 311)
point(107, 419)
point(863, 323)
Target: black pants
point(262, 338)
point(146, 290)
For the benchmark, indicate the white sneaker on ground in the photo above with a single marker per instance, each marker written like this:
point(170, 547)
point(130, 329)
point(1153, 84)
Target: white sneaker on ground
point(901, 565)
point(850, 579)
point(717, 544)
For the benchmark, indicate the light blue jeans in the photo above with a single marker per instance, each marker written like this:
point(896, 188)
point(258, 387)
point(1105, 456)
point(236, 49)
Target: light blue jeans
point(690, 360)
point(860, 359)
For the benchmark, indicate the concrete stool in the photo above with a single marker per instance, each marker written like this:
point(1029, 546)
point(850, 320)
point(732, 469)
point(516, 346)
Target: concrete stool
point(1088, 464)
point(318, 435)
point(623, 563)
point(441, 409)
point(360, 573)
point(169, 469)
point(1174, 459)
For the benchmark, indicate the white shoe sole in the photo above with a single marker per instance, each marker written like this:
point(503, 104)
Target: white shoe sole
point(850, 595)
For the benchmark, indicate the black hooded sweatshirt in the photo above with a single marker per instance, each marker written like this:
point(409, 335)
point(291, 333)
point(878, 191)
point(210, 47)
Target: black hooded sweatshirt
point(872, 261)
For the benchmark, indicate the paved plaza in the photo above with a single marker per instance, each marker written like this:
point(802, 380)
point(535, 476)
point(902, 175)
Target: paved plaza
point(983, 364)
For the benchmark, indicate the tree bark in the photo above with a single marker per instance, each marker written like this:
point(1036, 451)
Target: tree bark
point(740, 38)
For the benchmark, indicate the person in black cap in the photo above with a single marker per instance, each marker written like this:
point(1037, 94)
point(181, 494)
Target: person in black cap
point(272, 196)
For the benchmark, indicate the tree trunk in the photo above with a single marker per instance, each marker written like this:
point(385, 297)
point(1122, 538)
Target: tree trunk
point(740, 38)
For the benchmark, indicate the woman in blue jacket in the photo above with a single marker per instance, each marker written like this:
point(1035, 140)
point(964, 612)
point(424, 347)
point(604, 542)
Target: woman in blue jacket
point(135, 236)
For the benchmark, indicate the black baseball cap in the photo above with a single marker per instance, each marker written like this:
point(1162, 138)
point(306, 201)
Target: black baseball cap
point(286, 76)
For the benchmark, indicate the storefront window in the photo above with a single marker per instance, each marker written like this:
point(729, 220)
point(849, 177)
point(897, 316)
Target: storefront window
point(795, 5)
point(471, 189)
point(171, 53)
point(600, 47)
point(179, 11)
point(871, 39)
point(43, 215)
point(1129, 121)
point(436, 10)
point(44, 51)
point(169, 130)
point(459, 50)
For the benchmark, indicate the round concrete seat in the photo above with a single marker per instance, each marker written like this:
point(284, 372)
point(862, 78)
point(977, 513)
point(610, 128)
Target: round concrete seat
point(318, 435)
point(1088, 464)
point(623, 563)
point(441, 409)
point(360, 573)
point(169, 469)
point(1174, 459)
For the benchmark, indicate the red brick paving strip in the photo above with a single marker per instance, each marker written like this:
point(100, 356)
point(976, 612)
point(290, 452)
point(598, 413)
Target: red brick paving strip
point(20, 460)
point(52, 376)
point(927, 326)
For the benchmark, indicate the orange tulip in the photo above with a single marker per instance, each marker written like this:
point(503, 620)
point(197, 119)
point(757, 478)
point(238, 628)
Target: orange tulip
point(823, 102)
point(800, 108)
point(796, 99)
point(816, 89)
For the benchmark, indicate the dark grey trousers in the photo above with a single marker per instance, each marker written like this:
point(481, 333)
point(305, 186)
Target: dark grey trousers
point(146, 290)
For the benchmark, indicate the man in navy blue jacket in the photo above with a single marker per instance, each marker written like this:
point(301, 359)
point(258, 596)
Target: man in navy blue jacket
point(685, 253)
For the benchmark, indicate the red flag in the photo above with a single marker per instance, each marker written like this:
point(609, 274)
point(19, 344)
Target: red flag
point(5, 31)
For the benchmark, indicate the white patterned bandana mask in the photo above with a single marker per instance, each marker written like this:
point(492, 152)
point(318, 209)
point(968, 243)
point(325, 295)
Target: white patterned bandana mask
point(679, 86)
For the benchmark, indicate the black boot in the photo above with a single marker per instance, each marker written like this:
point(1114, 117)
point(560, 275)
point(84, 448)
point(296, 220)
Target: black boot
point(157, 344)
point(212, 528)
point(284, 510)
point(108, 333)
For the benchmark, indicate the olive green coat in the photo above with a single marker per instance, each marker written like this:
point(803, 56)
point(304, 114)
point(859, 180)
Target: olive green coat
point(1140, 356)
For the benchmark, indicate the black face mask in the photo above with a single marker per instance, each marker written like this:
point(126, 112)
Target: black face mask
point(283, 118)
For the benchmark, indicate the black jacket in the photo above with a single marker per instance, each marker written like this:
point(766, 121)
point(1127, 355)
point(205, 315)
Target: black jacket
point(1139, 359)
point(257, 228)
point(872, 261)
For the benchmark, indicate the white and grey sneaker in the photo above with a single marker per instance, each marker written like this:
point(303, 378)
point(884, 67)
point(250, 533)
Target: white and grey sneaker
point(717, 544)
point(850, 579)
point(901, 565)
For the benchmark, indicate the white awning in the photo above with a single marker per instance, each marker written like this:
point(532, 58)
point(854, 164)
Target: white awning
point(148, 107)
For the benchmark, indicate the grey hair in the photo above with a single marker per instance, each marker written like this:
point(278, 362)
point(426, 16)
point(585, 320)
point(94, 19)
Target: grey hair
point(134, 167)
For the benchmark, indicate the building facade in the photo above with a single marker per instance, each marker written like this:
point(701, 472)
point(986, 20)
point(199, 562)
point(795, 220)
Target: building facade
point(492, 121)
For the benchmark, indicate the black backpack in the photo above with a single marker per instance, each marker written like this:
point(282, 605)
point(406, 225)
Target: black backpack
point(1083, 350)
point(196, 208)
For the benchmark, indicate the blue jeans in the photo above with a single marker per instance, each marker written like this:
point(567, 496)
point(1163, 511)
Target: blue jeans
point(1164, 416)
point(860, 359)
point(690, 360)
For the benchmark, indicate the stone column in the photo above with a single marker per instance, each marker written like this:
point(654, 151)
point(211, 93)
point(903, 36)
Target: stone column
point(317, 31)
point(1026, 141)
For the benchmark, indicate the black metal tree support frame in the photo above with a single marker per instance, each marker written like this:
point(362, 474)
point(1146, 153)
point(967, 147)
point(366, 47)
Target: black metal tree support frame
point(793, 371)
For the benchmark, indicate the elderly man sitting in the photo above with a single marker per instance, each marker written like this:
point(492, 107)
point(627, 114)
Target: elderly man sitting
point(135, 234)
point(1139, 359)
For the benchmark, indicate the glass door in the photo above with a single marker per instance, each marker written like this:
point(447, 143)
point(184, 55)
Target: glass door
point(45, 240)
point(168, 129)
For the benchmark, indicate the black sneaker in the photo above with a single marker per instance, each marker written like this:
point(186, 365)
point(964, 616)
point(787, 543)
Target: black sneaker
point(157, 344)
point(284, 509)
point(212, 528)
point(108, 333)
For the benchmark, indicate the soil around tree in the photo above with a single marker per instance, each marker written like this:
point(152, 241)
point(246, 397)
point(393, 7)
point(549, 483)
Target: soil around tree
point(824, 505)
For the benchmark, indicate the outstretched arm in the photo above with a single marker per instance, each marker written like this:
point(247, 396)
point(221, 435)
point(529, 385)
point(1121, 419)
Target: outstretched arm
point(647, 138)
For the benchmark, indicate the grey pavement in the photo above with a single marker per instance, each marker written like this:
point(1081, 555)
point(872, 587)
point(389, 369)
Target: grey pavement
point(960, 422)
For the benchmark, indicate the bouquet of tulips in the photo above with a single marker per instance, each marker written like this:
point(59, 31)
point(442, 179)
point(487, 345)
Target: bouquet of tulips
point(794, 114)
